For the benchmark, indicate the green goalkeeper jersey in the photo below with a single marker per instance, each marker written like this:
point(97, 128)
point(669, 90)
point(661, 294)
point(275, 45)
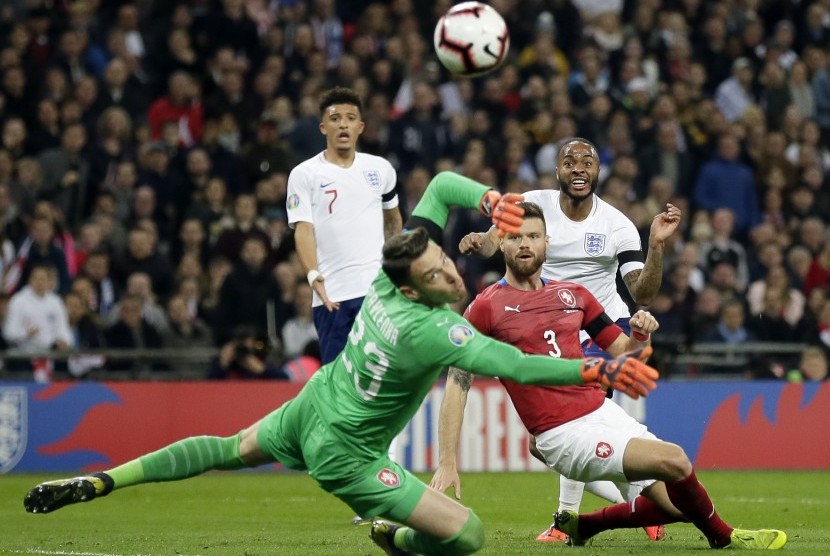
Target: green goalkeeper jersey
point(397, 349)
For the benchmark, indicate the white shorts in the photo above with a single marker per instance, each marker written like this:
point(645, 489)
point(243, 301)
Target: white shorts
point(591, 448)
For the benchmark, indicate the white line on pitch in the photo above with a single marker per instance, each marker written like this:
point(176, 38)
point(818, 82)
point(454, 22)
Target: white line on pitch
point(75, 553)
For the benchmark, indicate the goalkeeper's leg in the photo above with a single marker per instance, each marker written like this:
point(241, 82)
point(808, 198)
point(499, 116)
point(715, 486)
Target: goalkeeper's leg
point(180, 460)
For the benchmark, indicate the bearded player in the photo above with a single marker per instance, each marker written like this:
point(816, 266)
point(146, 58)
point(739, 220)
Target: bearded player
point(579, 432)
point(589, 242)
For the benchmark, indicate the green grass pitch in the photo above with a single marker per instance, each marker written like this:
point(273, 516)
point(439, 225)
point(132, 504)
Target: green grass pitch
point(259, 514)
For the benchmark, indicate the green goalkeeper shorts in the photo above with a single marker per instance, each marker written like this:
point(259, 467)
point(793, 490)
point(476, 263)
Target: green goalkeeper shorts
point(296, 436)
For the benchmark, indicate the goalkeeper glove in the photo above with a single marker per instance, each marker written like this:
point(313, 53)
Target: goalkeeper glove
point(502, 210)
point(627, 373)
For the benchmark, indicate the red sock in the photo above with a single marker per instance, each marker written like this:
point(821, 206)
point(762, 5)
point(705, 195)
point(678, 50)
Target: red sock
point(689, 496)
point(641, 512)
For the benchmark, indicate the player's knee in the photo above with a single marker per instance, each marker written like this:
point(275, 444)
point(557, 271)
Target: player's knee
point(676, 464)
point(470, 539)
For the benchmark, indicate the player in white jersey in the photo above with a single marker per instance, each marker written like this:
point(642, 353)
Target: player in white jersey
point(589, 241)
point(342, 205)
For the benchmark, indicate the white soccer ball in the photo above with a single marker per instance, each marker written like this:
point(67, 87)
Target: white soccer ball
point(471, 39)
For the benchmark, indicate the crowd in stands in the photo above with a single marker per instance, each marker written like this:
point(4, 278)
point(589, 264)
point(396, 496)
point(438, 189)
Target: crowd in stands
point(145, 148)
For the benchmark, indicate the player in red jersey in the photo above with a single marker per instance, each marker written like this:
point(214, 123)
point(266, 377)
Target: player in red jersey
point(579, 432)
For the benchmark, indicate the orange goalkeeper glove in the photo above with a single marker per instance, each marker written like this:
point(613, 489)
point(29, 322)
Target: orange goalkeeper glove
point(502, 210)
point(628, 373)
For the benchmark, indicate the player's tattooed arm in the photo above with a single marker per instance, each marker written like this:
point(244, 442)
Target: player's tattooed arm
point(645, 283)
point(462, 378)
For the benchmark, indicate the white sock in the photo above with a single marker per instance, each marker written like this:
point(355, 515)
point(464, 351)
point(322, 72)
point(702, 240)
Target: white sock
point(570, 494)
point(606, 490)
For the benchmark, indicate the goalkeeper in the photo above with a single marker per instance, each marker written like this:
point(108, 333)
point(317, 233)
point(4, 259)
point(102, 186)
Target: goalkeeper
point(339, 426)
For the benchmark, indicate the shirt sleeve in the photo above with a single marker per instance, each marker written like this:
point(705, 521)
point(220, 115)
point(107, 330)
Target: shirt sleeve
point(453, 341)
point(478, 313)
point(629, 249)
point(596, 322)
point(13, 329)
point(298, 200)
point(390, 195)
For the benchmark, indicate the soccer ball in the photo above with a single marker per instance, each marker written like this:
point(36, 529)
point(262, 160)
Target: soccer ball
point(471, 39)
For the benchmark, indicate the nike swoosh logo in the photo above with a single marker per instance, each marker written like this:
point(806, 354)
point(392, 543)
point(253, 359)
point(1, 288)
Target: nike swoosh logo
point(490, 52)
point(443, 322)
point(325, 185)
point(514, 309)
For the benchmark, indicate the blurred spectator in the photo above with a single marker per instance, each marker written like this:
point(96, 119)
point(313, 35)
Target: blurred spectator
point(132, 331)
point(185, 332)
point(302, 367)
point(85, 334)
point(192, 240)
point(105, 291)
point(66, 174)
point(140, 286)
point(36, 320)
point(180, 106)
point(249, 292)
point(231, 26)
point(299, 330)
point(418, 137)
point(664, 158)
point(723, 248)
point(707, 312)
point(156, 171)
point(777, 281)
point(731, 329)
point(211, 207)
point(90, 238)
point(801, 91)
point(267, 153)
point(243, 226)
point(812, 366)
point(734, 96)
point(121, 88)
point(142, 256)
point(726, 182)
point(218, 269)
point(39, 249)
point(244, 357)
point(46, 131)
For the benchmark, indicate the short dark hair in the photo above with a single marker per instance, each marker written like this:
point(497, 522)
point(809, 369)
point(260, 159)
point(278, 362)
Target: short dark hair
point(565, 142)
point(400, 250)
point(532, 210)
point(340, 95)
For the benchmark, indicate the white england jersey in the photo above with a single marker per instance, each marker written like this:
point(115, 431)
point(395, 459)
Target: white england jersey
point(589, 252)
point(345, 206)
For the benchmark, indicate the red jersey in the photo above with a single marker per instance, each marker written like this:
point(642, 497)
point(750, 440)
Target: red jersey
point(545, 321)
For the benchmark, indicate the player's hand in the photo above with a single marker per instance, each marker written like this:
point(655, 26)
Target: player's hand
point(502, 210)
point(319, 287)
point(665, 224)
point(627, 373)
point(471, 243)
point(446, 476)
point(643, 322)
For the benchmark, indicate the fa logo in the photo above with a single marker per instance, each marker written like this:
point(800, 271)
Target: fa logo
point(13, 426)
point(372, 178)
point(594, 244)
point(389, 478)
point(604, 450)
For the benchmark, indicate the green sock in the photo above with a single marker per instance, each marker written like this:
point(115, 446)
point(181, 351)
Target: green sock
point(180, 460)
point(467, 541)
